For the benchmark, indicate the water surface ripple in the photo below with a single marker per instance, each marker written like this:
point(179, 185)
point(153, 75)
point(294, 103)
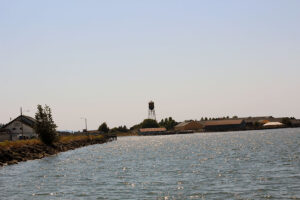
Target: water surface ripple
point(234, 165)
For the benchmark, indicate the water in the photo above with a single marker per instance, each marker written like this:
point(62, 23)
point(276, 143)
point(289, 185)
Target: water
point(234, 165)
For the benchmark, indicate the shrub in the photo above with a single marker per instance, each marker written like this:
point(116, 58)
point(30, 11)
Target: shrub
point(103, 128)
point(149, 123)
point(168, 123)
point(45, 126)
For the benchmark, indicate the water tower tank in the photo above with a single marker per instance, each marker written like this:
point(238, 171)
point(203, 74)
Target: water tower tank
point(151, 105)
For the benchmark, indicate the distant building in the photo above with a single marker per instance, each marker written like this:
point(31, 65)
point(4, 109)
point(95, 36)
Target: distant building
point(295, 123)
point(22, 126)
point(254, 121)
point(5, 135)
point(189, 125)
point(224, 125)
point(273, 125)
point(152, 131)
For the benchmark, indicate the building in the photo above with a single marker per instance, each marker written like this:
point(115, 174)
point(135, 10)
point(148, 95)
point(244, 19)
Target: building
point(188, 126)
point(273, 125)
point(152, 131)
point(295, 123)
point(224, 125)
point(21, 127)
point(253, 122)
point(5, 135)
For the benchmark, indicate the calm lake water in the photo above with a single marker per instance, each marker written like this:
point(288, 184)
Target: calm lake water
point(234, 165)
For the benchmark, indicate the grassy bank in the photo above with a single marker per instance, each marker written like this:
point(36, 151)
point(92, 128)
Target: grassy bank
point(120, 134)
point(12, 152)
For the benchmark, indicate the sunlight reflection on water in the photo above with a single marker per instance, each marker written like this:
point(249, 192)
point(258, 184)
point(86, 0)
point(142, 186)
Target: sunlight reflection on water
point(232, 165)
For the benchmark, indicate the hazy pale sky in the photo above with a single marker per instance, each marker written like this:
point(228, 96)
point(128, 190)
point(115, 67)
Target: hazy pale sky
point(104, 60)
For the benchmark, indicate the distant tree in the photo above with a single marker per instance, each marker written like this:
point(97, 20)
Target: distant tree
point(45, 126)
point(103, 128)
point(235, 117)
point(227, 117)
point(205, 119)
point(292, 118)
point(168, 123)
point(149, 123)
point(122, 129)
point(1, 125)
point(202, 119)
point(134, 127)
point(286, 121)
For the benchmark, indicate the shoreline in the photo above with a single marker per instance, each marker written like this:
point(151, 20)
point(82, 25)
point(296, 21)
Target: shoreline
point(20, 153)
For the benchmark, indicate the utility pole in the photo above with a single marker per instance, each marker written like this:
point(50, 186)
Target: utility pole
point(21, 112)
point(22, 123)
point(85, 120)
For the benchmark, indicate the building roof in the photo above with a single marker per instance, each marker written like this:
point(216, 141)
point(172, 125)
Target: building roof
point(29, 121)
point(152, 130)
point(223, 122)
point(273, 124)
point(182, 124)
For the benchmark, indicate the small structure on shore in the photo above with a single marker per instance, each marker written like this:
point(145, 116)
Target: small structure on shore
point(152, 131)
point(273, 125)
point(295, 123)
point(224, 125)
point(189, 126)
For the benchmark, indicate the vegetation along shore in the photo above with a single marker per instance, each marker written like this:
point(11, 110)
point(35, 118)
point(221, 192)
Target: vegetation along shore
point(49, 141)
point(12, 152)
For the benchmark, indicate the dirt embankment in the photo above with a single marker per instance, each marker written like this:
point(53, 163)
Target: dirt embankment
point(13, 155)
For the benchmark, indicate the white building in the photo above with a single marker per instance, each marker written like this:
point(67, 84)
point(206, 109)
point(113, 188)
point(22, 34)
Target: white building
point(22, 126)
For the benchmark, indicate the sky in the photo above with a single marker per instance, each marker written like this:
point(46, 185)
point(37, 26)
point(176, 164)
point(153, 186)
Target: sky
point(105, 60)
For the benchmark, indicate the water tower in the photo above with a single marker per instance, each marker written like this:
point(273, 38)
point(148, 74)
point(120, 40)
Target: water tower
point(151, 111)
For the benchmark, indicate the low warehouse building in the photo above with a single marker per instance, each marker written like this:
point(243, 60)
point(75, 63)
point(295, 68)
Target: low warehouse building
point(295, 123)
point(224, 125)
point(190, 125)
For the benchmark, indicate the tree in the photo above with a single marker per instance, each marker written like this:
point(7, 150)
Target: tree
point(45, 126)
point(103, 127)
point(149, 123)
point(235, 117)
point(122, 129)
point(134, 127)
point(1, 125)
point(168, 123)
